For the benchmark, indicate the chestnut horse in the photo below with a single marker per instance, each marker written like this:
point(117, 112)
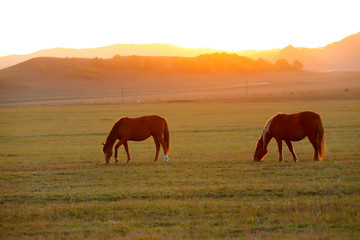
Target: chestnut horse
point(292, 127)
point(138, 129)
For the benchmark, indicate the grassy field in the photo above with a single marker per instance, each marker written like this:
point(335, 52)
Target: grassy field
point(54, 184)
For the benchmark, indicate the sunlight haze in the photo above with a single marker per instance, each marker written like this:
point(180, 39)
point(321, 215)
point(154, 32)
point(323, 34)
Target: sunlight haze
point(29, 26)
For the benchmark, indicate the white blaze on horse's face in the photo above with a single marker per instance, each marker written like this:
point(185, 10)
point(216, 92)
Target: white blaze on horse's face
point(107, 156)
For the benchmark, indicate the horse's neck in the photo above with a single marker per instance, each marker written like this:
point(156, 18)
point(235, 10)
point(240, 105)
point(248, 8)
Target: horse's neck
point(112, 136)
point(266, 135)
point(266, 139)
point(110, 140)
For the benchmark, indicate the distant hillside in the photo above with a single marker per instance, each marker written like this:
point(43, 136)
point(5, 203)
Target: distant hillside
point(109, 52)
point(337, 56)
point(341, 55)
point(44, 72)
point(344, 54)
point(306, 56)
point(139, 78)
point(142, 76)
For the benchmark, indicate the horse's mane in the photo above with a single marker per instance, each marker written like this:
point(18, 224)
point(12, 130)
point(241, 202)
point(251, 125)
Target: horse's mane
point(267, 123)
point(113, 133)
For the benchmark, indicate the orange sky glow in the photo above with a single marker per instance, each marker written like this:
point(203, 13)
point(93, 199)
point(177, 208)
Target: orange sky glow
point(28, 26)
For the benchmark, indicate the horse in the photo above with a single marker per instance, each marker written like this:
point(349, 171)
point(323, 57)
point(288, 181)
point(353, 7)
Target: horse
point(292, 127)
point(138, 129)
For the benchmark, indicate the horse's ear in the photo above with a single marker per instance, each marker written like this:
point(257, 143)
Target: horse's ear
point(103, 144)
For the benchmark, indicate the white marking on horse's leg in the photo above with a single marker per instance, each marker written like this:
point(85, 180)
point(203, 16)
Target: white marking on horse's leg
point(166, 158)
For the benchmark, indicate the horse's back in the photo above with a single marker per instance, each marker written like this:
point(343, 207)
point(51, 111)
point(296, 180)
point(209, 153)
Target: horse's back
point(308, 116)
point(144, 120)
point(140, 128)
point(295, 126)
point(298, 118)
point(152, 121)
point(155, 123)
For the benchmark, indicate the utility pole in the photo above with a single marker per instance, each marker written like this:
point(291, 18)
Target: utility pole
point(122, 94)
point(246, 88)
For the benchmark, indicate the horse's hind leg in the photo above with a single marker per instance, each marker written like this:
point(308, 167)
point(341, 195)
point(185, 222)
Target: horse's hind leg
point(316, 149)
point(163, 144)
point(157, 144)
point(290, 146)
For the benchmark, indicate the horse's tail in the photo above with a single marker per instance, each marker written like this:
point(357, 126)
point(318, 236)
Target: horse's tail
point(167, 135)
point(320, 139)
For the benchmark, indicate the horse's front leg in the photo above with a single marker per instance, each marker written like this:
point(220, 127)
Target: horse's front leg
point(127, 152)
point(279, 143)
point(116, 150)
point(290, 146)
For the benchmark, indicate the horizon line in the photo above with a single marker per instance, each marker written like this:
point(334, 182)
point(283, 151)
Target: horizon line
point(157, 43)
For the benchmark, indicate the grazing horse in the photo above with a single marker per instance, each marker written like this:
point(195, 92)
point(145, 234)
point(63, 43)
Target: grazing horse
point(138, 129)
point(292, 127)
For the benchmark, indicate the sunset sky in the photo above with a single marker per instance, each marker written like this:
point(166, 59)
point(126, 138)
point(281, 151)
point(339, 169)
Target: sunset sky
point(28, 26)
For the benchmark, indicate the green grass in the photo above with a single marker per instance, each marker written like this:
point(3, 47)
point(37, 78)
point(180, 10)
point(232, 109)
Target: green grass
point(54, 184)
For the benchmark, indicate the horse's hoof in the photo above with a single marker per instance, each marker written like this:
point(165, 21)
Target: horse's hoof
point(166, 158)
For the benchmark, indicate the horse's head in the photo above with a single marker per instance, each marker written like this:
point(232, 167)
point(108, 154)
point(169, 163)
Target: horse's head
point(260, 151)
point(107, 150)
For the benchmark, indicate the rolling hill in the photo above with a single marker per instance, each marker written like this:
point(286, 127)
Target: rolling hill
point(341, 55)
point(344, 54)
point(129, 78)
point(108, 52)
point(311, 62)
point(84, 80)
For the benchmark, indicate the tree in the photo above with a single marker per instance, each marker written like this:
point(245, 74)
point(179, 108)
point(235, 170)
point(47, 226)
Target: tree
point(117, 61)
point(282, 64)
point(98, 62)
point(298, 65)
